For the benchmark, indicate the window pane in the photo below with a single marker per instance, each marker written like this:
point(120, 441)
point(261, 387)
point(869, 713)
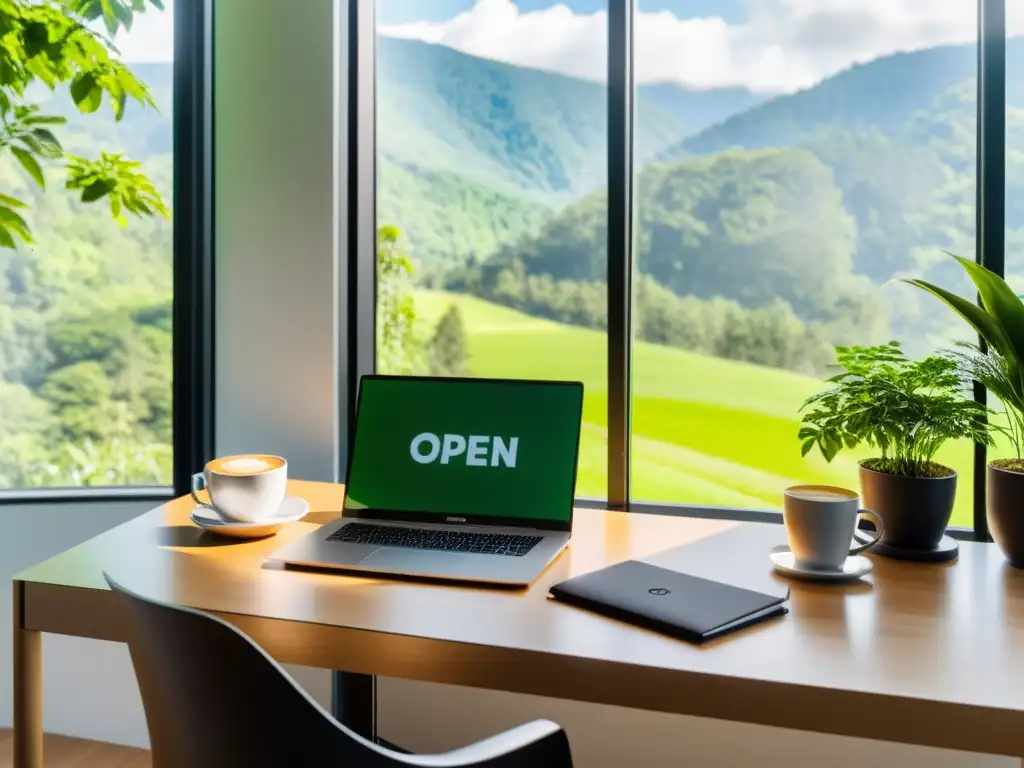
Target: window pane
point(817, 156)
point(85, 285)
point(491, 135)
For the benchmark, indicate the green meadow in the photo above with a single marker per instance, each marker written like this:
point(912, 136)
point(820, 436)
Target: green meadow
point(706, 431)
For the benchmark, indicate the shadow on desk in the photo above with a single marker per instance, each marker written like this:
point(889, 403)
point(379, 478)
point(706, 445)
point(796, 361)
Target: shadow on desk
point(192, 536)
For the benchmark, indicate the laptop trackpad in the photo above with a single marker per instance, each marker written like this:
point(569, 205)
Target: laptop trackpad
point(413, 561)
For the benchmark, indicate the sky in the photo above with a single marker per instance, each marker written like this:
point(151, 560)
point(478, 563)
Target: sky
point(768, 46)
point(151, 37)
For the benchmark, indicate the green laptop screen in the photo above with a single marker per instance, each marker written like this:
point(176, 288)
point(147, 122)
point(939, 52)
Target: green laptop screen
point(468, 448)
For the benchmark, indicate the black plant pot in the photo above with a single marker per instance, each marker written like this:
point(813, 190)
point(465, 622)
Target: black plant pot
point(1006, 513)
point(915, 510)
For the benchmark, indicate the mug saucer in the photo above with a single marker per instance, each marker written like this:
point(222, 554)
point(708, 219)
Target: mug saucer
point(855, 567)
point(291, 510)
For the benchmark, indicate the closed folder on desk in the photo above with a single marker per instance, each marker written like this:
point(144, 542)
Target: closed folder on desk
point(677, 604)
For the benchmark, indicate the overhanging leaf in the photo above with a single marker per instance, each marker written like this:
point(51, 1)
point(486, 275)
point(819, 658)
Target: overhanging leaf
point(109, 17)
point(11, 220)
point(96, 190)
point(11, 202)
point(31, 165)
point(86, 93)
point(118, 105)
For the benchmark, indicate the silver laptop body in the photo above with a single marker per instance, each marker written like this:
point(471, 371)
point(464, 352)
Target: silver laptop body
point(507, 554)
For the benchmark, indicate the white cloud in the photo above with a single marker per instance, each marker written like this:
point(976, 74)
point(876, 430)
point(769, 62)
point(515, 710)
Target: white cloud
point(783, 45)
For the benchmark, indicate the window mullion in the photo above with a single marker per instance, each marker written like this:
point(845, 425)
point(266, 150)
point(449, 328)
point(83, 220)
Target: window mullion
point(620, 245)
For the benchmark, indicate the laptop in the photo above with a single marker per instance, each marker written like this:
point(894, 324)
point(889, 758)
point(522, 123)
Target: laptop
point(465, 479)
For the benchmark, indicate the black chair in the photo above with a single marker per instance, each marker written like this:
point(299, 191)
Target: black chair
point(215, 699)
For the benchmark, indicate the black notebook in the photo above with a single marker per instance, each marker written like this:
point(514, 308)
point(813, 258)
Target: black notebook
point(677, 604)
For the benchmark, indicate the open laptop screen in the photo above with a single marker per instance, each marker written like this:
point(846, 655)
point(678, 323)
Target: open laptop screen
point(494, 451)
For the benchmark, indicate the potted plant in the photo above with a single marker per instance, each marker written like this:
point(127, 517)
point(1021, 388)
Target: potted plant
point(906, 410)
point(999, 366)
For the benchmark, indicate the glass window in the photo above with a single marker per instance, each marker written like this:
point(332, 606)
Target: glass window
point(86, 245)
point(815, 155)
point(492, 150)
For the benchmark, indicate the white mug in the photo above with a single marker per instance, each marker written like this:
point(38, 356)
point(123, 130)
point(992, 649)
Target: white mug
point(246, 488)
point(820, 522)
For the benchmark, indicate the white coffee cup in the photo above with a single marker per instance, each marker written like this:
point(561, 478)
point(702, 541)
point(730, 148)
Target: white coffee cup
point(247, 488)
point(820, 522)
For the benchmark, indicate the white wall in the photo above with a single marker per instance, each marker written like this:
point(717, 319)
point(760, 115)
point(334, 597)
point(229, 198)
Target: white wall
point(277, 390)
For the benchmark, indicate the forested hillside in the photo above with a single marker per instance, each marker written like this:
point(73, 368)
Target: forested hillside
point(816, 200)
point(85, 345)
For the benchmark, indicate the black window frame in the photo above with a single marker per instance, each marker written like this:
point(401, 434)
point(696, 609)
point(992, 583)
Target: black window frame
point(193, 284)
point(361, 245)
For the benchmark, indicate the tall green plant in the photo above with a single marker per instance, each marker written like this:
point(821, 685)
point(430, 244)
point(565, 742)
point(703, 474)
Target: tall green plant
point(999, 320)
point(905, 408)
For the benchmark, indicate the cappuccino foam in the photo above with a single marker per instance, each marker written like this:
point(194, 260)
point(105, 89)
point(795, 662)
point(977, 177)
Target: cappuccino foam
point(821, 493)
point(245, 465)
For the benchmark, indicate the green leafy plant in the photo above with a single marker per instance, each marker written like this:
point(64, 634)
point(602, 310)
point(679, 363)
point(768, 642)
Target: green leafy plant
point(51, 43)
point(999, 320)
point(904, 408)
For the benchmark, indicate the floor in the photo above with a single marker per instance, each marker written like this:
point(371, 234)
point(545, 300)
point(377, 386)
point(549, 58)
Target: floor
point(65, 752)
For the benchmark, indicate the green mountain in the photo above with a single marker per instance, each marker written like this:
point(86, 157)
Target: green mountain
point(882, 95)
point(508, 127)
point(816, 199)
point(898, 134)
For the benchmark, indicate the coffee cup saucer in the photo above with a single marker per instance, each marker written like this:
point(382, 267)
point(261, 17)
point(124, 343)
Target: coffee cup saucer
point(291, 510)
point(855, 567)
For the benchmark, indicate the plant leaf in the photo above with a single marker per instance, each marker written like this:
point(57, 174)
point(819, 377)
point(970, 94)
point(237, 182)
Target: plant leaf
point(1000, 302)
point(11, 202)
point(96, 190)
point(31, 165)
point(50, 143)
point(86, 93)
point(977, 317)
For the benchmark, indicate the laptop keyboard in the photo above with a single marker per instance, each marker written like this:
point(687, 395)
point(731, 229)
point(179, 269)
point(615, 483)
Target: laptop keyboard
point(447, 541)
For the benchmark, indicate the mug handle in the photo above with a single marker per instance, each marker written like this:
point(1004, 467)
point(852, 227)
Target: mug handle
point(199, 484)
point(865, 543)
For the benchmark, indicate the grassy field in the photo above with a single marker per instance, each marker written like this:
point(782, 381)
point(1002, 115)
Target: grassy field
point(705, 431)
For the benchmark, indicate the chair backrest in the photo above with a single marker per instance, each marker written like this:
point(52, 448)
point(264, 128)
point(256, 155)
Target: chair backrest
point(214, 699)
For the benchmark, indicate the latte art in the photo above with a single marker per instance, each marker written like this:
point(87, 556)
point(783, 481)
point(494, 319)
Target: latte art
point(252, 464)
point(246, 465)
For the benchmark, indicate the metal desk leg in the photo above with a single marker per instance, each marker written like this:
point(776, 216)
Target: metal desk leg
point(28, 688)
point(354, 702)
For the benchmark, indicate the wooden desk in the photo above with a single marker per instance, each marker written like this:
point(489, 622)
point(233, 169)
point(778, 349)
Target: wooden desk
point(929, 655)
